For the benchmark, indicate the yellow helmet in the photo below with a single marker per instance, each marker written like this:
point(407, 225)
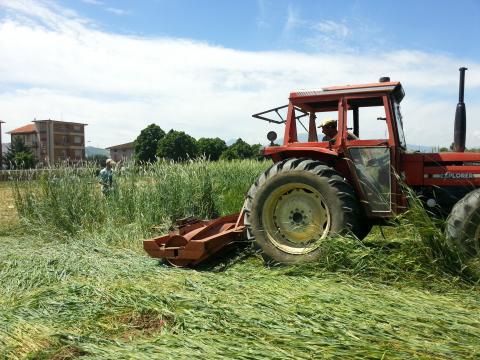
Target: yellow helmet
point(328, 121)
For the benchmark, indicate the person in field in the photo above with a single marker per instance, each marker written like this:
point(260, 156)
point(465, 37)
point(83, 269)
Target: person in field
point(105, 177)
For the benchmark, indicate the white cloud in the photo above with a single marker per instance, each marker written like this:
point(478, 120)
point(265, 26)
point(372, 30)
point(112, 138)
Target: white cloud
point(54, 64)
point(323, 35)
point(293, 20)
point(93, 2)
point(112, 10)
point(327, 35)
point(45, 14)
point(329, 27)
point(262, 21)
point(117, 11)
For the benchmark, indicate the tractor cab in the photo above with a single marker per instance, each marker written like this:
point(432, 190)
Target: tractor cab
point(356, 129)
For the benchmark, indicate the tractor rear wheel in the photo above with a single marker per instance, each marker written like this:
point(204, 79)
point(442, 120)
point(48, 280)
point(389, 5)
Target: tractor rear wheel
point(463, 224)
point(295, 206)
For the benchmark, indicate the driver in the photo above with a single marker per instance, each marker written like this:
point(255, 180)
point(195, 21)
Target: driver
point(329, 129)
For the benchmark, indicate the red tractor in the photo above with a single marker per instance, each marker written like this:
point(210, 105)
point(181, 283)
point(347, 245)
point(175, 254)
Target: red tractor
point(343, 183)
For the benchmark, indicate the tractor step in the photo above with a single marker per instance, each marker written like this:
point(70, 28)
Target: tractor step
point(196, 240)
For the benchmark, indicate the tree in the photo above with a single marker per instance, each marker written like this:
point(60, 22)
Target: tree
point(177, 146)
point(19, 156)
point(146, 143)
point(211, 148)
point(256, 151)
point(238, 150)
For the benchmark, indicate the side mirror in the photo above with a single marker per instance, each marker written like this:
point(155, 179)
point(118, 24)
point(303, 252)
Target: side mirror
point(272, 136)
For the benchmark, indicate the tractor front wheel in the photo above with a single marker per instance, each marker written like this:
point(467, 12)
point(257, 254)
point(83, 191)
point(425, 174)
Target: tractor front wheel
point(295, 206)
point(463, 224)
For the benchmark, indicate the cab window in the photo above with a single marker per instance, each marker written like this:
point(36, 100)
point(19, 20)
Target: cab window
point(366, 119)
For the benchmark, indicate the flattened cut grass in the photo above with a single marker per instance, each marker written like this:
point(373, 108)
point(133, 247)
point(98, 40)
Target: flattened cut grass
point(121, 304)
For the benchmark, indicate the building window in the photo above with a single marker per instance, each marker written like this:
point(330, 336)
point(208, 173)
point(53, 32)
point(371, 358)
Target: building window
point(78, 153)
point(65, 139)
point(76, 128)
point(77, 139)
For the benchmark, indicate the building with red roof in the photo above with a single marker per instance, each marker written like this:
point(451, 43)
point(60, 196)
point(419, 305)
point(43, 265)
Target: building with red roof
point(53, 141)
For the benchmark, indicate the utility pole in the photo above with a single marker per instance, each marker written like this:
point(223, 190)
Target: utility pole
point(1, 146)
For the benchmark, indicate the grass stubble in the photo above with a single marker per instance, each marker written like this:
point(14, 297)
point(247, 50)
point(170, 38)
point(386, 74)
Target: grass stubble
point(76, 283)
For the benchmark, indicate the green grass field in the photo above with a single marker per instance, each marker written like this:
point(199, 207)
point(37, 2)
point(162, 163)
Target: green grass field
point(74, 281)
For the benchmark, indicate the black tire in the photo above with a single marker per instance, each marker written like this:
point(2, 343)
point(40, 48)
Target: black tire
point(463, 224)
point(295, 205)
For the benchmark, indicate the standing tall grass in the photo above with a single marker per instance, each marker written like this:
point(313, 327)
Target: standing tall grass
point(430, 241)
point(153, 195)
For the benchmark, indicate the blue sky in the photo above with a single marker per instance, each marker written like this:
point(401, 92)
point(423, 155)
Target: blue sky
point(427, 25)
point(205, 66)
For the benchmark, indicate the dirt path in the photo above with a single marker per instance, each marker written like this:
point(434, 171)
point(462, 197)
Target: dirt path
point(8, 214)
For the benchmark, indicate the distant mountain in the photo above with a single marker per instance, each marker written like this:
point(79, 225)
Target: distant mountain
point(423, 149)
point(92, 151)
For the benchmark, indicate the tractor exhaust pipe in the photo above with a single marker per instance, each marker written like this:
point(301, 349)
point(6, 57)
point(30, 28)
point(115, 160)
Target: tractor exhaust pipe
point(460, 129)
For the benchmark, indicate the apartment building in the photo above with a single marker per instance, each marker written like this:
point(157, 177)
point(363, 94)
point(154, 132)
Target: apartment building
point(53, 141)
point(122, 151)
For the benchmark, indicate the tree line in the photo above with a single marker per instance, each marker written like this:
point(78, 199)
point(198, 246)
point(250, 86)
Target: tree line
point(153, 143)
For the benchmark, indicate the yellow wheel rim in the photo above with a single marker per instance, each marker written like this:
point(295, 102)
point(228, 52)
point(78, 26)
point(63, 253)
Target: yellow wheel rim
point(296, 218)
